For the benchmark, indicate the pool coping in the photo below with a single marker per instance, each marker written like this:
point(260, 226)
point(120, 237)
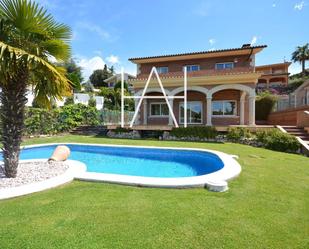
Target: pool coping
point(75, 168)
point(216, 181)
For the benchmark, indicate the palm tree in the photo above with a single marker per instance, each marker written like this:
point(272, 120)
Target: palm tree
point(29, 40)
point(301, 54)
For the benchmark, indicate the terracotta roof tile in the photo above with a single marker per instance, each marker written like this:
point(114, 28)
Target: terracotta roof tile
point(201, 52)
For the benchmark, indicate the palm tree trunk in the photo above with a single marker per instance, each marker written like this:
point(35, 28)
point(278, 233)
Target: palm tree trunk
point(13, 99)
point(303, 67)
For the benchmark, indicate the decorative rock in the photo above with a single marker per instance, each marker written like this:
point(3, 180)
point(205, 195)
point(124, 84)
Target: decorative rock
point(129, 135)
point(165, 135)
point(30, 172)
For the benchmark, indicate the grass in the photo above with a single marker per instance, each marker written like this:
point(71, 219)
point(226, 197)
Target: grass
point(266, 207)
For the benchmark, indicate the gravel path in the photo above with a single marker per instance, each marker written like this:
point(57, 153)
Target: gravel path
point(30, 172)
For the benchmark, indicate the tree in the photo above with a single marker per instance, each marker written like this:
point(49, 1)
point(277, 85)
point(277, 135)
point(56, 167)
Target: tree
point(29, 37)
point(108, 95)
point(118, 85)
point(74, 74)
point(98, 76)
point(112, 70)
point(88, 87)
point(92, 101)
point(301, 54)
point(112, 99)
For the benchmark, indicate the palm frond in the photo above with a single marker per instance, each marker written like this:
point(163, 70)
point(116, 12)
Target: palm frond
point(33, 28)
point(58, 84)
point(57, 48)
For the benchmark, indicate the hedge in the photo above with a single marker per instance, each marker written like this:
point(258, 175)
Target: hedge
point(276, 140)
point(202, 132)
point(40, 121)
point(238, 133)
point(272, 139)
point(264, 104)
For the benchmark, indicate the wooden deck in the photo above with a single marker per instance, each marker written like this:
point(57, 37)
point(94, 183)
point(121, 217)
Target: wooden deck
point(169, 127)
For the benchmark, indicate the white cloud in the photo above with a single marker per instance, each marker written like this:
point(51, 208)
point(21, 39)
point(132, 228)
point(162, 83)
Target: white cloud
point(212, 41)
point(254, 40)
point(89, 65)
point(274, 5)
point(299, 6)
point(103, 34)
point(295, 68)
point(112, 59)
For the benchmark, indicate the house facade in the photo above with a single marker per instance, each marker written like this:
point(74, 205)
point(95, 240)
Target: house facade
point(221, 87)
point(113, 80)
point(274, 76)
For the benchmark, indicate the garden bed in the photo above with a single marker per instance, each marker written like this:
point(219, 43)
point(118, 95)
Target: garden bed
point(31, 172)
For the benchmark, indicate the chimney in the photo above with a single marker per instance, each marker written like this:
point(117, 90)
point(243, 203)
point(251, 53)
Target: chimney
point(246, 45)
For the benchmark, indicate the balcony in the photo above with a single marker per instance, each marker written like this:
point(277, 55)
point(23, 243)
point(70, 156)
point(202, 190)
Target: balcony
point(202, 77)
point(200, 73)
point(273, 72)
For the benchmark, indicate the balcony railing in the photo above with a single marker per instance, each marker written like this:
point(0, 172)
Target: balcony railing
point(270, 72)
point(200, 73)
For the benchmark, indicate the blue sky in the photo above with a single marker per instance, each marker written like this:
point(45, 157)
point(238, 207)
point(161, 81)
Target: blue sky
point(111, 31)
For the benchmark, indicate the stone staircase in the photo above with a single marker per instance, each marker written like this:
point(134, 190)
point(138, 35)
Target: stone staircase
point(297, 132)
point(301, 135)
point(89, 130)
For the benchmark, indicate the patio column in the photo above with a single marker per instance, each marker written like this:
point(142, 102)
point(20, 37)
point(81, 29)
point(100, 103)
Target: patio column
point(209, 110)
point(170, 119)
point(138, 116)
point(242, 109)
point(145, 111)
point(251, 110)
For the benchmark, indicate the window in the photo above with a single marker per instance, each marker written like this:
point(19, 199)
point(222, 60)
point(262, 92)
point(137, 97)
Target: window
point(191, 68)
point(162, 69)
point(225, 65)
point(159, 109)
point(224, 108)
point(194, 112)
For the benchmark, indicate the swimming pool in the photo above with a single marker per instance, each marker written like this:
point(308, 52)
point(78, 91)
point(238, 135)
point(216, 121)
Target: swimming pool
point(135, 161)
point(147, 166)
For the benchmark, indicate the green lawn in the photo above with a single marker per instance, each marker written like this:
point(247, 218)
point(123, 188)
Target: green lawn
point(266, 207)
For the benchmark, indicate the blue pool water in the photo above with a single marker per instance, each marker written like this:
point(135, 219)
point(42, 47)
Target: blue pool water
point(136, 161)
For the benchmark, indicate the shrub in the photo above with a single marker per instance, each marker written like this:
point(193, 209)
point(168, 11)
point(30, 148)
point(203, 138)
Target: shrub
point(69, 100)
point(71, 116)
point(43, 121)
point(202, 132)
point(276, 140)
point(91, 116)
point(92, 102)
point(40, 121)
point(265, 103)
point(238, 133)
